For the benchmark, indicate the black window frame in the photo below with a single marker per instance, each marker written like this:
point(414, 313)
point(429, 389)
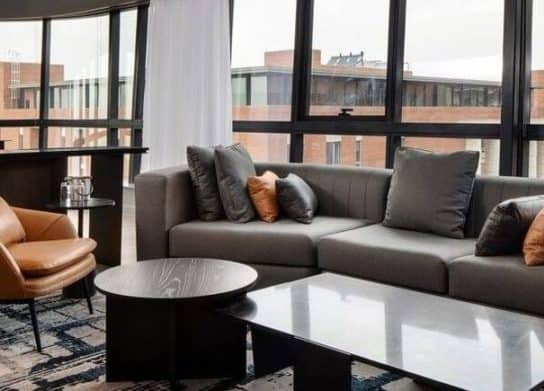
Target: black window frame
point(112, 122)
point(514, 130)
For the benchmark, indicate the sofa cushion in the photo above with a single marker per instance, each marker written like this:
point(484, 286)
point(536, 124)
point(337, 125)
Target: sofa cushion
point(506, 226)
point(233, 165)
point(37, 259)
point(408, 258)
point(262, 190)
point(284, 242)
point(296, 198)
point(430, 192)
point(202, 169)
point(504, 281)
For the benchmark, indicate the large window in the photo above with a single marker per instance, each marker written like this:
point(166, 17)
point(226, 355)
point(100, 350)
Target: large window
point(489, 149)
point(91, 86)
point(79, 68)
point(262, 59)
point(368, 151)
point(349, 57)
point(20, 58)
point(537, 56)
point(265, 147)
point(127, 47)
point(453, 61)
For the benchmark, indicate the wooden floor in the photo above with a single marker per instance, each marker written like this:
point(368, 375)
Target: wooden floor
point(128, 246)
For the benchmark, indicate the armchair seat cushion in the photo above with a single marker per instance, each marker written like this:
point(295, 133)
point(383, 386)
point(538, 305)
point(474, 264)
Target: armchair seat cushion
point(43, 258)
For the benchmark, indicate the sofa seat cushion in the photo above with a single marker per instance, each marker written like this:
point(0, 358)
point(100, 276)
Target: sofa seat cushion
point(37, 259)
point(504, 281)
point(395, 256)
point(284, 242)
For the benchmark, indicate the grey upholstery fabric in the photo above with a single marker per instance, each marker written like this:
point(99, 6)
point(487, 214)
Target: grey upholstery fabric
point(504, 281)
point(273, 274)
point(202, 169)
point(341, 191)
point(506, 226)
point(408, 258)
point(430, 192)
point(490, 191)
point(284, 242)
point(164, 198)
point(296, 198)
point(233, 166)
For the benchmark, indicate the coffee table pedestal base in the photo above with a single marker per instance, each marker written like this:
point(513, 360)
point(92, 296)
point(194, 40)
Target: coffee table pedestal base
point(314, 368)
point(155, 340)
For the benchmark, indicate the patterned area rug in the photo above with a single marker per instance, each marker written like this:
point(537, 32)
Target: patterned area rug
point(73, 356)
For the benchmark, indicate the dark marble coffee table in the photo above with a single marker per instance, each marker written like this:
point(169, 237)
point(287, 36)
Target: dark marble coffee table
point(161, 323)
point(321, 323)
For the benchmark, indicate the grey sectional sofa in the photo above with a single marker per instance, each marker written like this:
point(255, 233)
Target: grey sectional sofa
point(346, 237)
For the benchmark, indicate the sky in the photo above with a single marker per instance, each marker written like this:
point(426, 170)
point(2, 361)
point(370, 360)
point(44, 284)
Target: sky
point(81, 45)
point(444, 38)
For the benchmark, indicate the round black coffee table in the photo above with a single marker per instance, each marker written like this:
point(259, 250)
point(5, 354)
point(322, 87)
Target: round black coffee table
point(161, 322)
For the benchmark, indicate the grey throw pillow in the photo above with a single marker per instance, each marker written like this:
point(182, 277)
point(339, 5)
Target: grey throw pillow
point(233, 165)
point(506, 226)
point(202, 170)
point(296, 198)
point(430, 192)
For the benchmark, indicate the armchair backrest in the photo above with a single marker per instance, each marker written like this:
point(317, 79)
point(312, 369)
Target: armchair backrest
point(11, 229)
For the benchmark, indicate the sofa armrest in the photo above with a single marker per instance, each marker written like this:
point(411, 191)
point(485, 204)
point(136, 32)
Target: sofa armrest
point(40, 225)
point(164, 198)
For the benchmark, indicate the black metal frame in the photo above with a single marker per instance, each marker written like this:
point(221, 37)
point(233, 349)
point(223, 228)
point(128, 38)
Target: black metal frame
point(514, 130)
point(112, 122)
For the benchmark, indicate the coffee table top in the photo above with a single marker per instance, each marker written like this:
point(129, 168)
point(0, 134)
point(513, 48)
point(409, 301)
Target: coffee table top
point(450, 342)
point(178, 279)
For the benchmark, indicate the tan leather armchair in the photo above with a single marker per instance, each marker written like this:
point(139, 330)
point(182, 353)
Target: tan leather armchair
point(40, 253)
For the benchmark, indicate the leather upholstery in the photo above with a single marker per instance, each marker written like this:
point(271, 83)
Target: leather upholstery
point(43, 258)
point(40, 286)
point(262, 190)
point(39, 225)
point(11, 230)
point(42, 253)
point(533, 244)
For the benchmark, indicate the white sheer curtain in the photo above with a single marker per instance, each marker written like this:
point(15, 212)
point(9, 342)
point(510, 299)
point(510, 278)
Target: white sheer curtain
point(187, 91)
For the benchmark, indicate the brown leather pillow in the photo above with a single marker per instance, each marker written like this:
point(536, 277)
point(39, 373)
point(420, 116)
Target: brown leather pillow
point(533, 245)
point(262, 190)
point(11, 229)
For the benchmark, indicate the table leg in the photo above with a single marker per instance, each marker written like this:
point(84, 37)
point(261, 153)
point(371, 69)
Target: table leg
point(80, 222)
point(317, 368)
point(271, 351)
point(173, 346)
point(144, 341)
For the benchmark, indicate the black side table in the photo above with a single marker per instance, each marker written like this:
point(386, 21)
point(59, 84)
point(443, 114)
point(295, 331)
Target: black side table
point(76, 290)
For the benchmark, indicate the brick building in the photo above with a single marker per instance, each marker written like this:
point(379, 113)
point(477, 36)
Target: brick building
point(264, 93)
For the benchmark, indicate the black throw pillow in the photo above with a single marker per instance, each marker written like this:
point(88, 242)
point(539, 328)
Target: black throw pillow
point(296, 198)
point(431, 192)
point(506, 226)
point(202, 170)
point(233, 166)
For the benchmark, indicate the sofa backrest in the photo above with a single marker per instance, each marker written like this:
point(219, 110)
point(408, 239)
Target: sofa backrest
point(490, 191)
point(362, 192)
point(341, 191)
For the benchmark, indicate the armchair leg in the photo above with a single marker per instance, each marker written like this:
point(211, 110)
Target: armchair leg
point(87, 291)
point(34, 319)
